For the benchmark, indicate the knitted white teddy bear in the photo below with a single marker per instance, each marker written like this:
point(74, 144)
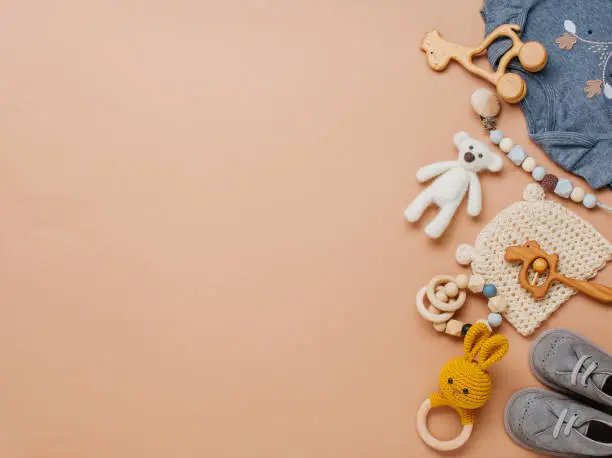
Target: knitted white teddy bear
point(457, 177)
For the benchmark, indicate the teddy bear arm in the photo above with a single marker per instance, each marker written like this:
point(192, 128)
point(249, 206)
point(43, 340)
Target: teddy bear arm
point(433, 170)
point(474, 196)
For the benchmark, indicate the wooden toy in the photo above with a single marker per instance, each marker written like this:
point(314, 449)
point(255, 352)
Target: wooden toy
point(465, 385)
point(447, 295)
point(510, 86)
point(486, 104)
point(540, 261)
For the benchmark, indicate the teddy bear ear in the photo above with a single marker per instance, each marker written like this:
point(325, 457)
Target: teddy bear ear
point(497, 163)
point(474, 339)
point(492, 351)
point(459, 137)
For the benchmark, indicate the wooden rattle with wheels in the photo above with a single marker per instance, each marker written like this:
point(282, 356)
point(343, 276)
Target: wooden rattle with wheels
point(510, 86)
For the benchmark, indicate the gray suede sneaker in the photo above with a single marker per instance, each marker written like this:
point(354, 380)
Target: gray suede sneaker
point(553, 424)
point(569, 363)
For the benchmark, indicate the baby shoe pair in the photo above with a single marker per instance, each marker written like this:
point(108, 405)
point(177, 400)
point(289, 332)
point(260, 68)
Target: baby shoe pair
point(571, 421)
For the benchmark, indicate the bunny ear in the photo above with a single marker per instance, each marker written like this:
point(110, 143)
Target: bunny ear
point(474, 339)
point(459, 137)
point(492, 350)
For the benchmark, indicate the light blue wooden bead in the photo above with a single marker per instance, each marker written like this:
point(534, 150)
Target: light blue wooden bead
point(564, 188)
point(496, 136)
point(489, 290)
point(495, 320)
point(589, 201)
point(517, 155)
point(538, 173)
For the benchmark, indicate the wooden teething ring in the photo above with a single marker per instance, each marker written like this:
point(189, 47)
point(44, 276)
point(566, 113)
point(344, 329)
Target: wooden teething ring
point(429, 439)
point(439, 318)
point(450, 306)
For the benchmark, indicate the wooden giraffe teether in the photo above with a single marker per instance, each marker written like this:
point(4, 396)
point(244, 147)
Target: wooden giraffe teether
point(510, 86)
point(540, 261)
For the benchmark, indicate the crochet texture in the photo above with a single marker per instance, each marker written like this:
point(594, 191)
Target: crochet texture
point(582, 253)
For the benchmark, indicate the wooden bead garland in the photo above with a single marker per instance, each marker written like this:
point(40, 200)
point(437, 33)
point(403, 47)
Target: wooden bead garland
point(447, 294)
point(551, 183)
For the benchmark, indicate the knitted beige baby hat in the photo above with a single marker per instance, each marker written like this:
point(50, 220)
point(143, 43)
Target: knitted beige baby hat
point(582, 253)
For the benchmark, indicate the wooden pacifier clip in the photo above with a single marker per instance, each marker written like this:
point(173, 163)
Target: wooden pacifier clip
point(533, 257)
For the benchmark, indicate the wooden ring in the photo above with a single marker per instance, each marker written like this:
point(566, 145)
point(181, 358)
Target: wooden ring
point(437, 444)
point(441, 318)
point(450, 306)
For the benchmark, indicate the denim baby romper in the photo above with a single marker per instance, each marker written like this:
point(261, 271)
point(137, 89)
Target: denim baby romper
point(568, 106)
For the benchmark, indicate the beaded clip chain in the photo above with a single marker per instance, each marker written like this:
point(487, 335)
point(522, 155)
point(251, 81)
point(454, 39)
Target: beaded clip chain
point(486, 104)
point(447, 294)
point(560, 186)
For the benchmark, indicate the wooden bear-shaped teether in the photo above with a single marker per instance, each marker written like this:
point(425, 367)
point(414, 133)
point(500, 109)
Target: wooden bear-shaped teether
point(510, 86)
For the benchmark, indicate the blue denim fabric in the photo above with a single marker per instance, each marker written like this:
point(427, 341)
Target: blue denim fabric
point(570, 121)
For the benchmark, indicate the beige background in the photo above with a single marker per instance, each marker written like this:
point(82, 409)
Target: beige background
point(202, 248)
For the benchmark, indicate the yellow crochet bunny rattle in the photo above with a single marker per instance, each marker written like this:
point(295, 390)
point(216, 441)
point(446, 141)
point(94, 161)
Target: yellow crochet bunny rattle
point(465, 384)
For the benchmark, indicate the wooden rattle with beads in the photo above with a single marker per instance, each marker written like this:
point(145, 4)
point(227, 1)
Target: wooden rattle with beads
point(510, 86)
point(533, 257)
point(447, 295)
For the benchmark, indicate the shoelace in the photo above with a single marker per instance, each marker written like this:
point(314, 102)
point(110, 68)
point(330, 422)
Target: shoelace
point(585, 375)
point(568, 427)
